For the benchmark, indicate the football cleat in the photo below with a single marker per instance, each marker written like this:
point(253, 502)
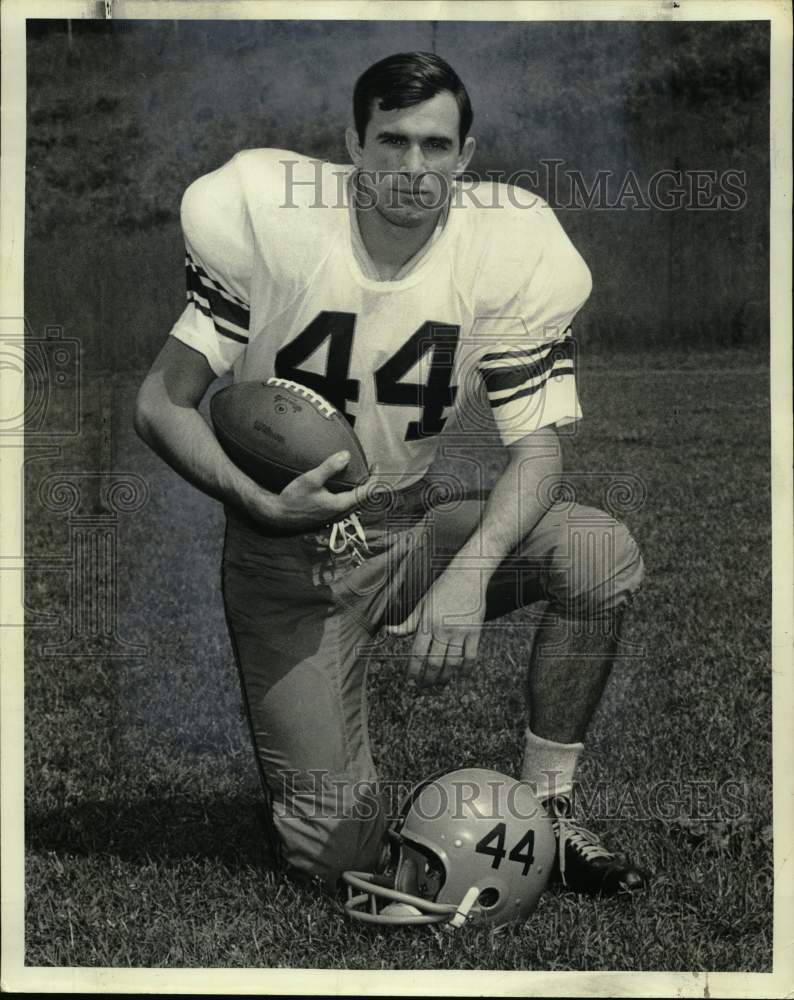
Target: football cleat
point(470, 846)
point(583, 864)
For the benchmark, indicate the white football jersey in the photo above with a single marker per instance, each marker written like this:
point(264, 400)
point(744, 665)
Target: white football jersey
point(276, 287)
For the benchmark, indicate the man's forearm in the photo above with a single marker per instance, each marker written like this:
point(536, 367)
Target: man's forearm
point(186, 443)
point(517, 501)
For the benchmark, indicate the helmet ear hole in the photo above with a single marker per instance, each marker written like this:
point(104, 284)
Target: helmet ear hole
point(488, 898)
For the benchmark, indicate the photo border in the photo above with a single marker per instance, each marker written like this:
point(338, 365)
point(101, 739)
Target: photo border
point(15, 976)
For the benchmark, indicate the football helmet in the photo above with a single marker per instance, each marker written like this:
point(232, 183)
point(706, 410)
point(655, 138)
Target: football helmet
point(472, 845)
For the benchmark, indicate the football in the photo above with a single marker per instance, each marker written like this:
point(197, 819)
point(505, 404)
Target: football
point(275, 430)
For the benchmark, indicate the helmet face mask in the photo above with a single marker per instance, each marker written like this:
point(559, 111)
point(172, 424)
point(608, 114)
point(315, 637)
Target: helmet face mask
point(474, 845)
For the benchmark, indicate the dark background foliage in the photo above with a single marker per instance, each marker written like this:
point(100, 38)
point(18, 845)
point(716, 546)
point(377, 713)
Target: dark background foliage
point(122, 116)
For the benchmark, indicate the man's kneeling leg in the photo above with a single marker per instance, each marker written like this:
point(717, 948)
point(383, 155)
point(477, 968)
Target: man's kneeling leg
point(327, 824)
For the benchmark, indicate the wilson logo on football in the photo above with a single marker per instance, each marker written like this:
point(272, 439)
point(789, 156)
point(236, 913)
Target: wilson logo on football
point(264, 429)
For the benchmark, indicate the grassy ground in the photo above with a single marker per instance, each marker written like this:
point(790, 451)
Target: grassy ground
point(144, 833)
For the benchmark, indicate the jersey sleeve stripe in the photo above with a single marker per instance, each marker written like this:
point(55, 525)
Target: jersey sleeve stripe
point(209, 308)
point(208, 294)
point(504, 378)
point(212, 282)
point(514, 361)
point(519, 355)
point(494, 369)
point(224, 329)
point(530, 390)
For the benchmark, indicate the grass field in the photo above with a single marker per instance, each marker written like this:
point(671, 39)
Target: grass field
point(145, 843)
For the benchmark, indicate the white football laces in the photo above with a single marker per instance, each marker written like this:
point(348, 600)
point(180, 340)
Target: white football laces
point(348, 535)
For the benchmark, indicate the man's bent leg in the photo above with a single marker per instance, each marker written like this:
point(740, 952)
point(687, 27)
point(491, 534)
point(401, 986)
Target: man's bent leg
point(594, 570)
point(579, 560)
point(587, 567)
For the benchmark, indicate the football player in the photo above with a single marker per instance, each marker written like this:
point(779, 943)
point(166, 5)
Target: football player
point(402, 295)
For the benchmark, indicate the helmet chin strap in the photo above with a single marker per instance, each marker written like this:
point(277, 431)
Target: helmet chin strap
point(461, 915)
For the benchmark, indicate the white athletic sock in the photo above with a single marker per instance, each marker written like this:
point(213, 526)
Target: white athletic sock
point(549, 766)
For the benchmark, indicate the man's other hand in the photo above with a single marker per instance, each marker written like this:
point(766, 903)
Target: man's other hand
point(446, 627)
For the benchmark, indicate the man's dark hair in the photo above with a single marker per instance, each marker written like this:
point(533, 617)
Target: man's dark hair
point(405, 79)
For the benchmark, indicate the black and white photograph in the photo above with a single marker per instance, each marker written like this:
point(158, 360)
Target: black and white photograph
point(396, 462)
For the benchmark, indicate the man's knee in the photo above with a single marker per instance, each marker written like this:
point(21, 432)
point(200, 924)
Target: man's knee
point(599, 567)
point(323, 836)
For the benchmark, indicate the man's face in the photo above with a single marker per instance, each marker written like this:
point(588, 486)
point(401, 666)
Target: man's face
point(408, 159)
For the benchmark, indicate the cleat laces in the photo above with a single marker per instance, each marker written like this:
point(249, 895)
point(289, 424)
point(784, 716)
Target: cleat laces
point(348, 535)
point(586, 844)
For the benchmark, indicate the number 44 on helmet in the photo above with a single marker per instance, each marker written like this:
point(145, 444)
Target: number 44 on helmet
point(473, 845)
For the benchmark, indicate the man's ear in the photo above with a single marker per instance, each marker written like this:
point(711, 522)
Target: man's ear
point(466, 153)
point(353, 145)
